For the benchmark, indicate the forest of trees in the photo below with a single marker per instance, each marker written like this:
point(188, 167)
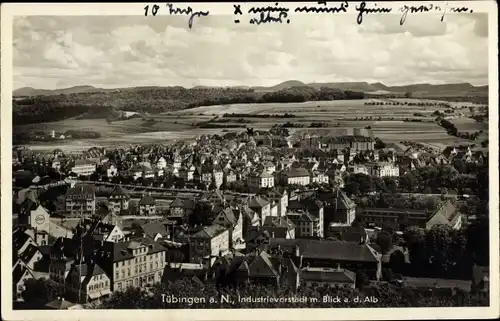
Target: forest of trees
point(156, 100)
point(445, 252)
point(386, 294)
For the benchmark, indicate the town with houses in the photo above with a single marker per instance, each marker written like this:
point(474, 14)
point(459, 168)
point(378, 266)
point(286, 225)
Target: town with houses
point(262, 207)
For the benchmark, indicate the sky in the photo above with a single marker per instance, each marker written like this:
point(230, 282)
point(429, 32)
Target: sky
point(51, 52)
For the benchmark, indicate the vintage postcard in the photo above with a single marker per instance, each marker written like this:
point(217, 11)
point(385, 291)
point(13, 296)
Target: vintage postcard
point(243, 161)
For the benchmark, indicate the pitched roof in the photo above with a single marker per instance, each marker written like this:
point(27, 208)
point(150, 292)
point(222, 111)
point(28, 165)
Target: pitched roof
point(258, 202)
point(446, 214)
point(88, 269)
point(282, 222)
point(118, 191)
point(28, 254)
point(177, 203)
point(229, 215)
point(328, 250)
point(120, 251)
point(209, 232)
point(154, 228)
point(18, 273)
point(147, 200)
point(259, 265)
point(327, 275)
point(19, 238)
point(297, 172)
point(85, 190)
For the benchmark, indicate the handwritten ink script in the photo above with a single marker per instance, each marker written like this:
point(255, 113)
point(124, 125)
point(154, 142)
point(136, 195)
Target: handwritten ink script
point(431, 8)
point(172, 10)
point(276, 14)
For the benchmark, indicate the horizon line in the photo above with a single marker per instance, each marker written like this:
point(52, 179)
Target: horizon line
point(229, 86)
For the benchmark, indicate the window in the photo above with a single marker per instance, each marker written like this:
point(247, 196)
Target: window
point(128, 272)
point(117, 275)
point(106, 283)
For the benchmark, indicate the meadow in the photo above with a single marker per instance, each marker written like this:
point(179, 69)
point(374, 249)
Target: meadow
point(337, 117)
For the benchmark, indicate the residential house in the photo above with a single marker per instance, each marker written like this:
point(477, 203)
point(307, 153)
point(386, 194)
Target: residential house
point(399, 219)
point(34, 215)
point(279, 227)
point(331, 254)
point(147, 205)
point(358, 169)
point(260, 180)
point(118, 200)
point(208, 244)
point(295, 176)
point(161, 163)
point(278, 196)
point(229, 176)
point(233, 221)
point(307, 225)
point(134, 262)
point(319, 177)
point(347, 233)
point(341, 210)
point(108, 232)
point(331, 277)
point(250, 220)
point(30, 256)
point(261, 206)
point(313, 207)
point(80, 200)
point(84, 167)
point(446, 214)
point(154, 230)
point(182, 209)
point(87, 282)
point(383, 169)
point(20, 275)
point(111, 169)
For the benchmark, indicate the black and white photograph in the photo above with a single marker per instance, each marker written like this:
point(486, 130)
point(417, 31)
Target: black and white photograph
point(277, 160)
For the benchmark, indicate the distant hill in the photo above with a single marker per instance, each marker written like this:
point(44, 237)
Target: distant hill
point(455, 89)
point(418, 89)
point(29, 91)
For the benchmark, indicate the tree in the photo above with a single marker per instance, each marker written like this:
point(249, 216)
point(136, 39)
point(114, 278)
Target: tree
point(39, 292)
point(384, 240)
point(439, 241)
point(397, 261)
point(391, 184)
point(415, 240)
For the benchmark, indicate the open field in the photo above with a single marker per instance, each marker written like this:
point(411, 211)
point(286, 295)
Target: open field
point(338, 117)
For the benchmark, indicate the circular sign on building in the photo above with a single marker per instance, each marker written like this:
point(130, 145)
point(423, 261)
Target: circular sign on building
point(40, 219)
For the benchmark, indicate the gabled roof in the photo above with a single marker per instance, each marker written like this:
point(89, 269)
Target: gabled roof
point(282, 222)
point(120, 251)
point(85, 190)
point(229, 215)
point(177, 203)
point(28, 254)
point(154, 228)
point(259, 265)
point(257, 202)
point(19, 238)
point(18, 273)
point(328, 275)
point(209, 232)
point(328, 250)
point(88, 269)
point(147, 200)
point(119, 192)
